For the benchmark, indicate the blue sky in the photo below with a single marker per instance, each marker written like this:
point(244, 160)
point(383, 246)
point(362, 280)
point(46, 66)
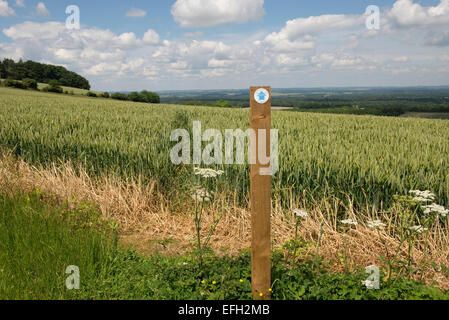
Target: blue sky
point(217, 44)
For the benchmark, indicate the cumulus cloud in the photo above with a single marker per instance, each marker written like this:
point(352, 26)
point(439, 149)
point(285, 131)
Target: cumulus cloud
point(41, 10)
point(5, 9)
point(207, 13)
point(151, 37)
point(30, 30)
point(20, 3)
point(318, 24)
point(136, 13)
point(418, 24)
point(406, 13)
point(301, 34)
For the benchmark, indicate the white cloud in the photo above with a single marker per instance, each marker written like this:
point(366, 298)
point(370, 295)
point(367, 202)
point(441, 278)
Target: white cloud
point(34, 30)
point(285, 60)
point(20, 3)
point(318, 24)
point(279, 42)
point(301, 34)
point(41, 10)
point(207, 13)
point(136, 13)
point(151, 37)
point(128, 39)
point(5, 9)
point(406, 13)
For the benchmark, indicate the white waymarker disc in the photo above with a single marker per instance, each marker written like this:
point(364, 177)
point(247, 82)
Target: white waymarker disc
point(261, 96)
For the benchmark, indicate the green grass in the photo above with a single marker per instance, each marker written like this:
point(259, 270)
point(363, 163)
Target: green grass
point(39, 241)
point(366, 157)
point(40, 237)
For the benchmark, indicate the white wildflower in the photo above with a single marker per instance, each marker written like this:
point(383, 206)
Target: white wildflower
point(436, 209)
point(349, 222)
point(423, 196)
point(418, 229)
point(207, 173)
point(376, 224)
point(201, 195)
point(300, 213)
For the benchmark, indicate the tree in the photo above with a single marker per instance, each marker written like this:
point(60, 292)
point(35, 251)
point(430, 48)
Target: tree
point(30, 83)
point(151, 97)
point(3, 74)
point(42, 73)
point(136, 97)
point(119, 96)
point(14, 84)
point(53, 86)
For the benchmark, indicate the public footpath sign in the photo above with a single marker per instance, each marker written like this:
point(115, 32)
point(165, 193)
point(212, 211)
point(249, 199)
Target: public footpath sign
point(260, 121)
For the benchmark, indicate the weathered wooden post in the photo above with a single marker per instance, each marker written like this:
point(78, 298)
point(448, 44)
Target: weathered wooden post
point(260, 122)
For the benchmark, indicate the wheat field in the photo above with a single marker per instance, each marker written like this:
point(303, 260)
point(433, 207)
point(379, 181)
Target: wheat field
point(363, 158)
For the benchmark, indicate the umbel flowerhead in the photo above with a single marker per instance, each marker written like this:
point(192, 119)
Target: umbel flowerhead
point(376, 224)
point(300, 213)
point(207, 173)
point(435, 208)
point(349, 222)
point(423, 196)
point(201, 195)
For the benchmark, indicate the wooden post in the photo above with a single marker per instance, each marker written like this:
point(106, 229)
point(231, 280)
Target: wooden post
point(260, 115)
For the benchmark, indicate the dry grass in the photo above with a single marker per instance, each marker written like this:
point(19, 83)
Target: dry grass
point(150, 223)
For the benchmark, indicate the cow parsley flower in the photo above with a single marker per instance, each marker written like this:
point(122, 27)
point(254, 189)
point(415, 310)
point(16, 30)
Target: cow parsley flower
point(435, 208)
point(376, 224)
point(201, 195)
point(207, 173)
point(423, 196)
point(418, 229)
point(349, 222)
point(300, 213)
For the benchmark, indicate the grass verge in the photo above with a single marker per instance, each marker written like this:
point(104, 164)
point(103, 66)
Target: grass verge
point(40, 237)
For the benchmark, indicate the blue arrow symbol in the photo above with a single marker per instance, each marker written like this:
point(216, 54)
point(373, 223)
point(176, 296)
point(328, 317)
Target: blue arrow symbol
point(262, 95)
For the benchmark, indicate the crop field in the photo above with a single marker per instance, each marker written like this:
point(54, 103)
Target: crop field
point(91, 164)
point(368, 159)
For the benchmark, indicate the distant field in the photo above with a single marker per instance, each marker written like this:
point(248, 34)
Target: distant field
point(365, 157)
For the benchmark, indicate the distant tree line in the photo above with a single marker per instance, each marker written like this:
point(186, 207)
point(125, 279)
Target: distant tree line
point(54, 86)
point(220, 103)
point(44, 73)
point(143, 96)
